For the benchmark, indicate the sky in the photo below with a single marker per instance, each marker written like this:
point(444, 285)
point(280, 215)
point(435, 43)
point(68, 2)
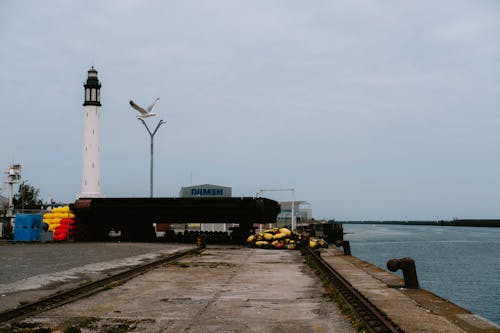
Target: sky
point(367, 109)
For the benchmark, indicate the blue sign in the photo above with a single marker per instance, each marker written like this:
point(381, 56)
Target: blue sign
point(207, 191)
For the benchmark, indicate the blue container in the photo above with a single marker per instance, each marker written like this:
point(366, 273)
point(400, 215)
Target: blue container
point(21, 234)
point(34, 234)
point(27, 227)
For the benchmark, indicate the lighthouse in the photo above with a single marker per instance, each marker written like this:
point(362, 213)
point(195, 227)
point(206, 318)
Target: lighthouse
point(91, 180)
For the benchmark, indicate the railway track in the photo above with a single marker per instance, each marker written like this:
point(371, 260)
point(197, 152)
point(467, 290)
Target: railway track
point(88, 288)
point(373, 319)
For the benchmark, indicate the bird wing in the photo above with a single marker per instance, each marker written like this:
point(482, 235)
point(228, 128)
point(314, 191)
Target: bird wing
point(150, 108)
point(138, 108)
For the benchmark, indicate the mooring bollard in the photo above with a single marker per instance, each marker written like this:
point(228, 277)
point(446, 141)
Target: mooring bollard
point(407, 265)
point(201, 241)
point(302, 244)
point(345, 245)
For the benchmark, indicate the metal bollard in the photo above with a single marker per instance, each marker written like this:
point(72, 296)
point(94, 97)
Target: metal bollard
point(201, 241)
point(345, 245)
point(303, 242)
point(407, 265)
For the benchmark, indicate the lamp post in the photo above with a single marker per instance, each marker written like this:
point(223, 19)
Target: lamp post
point(152, 134)
point(293, 200)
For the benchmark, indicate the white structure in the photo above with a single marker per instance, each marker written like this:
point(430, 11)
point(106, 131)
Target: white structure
point(13, 176)
point(300, 210)
point(292, 225)
point(91, 180)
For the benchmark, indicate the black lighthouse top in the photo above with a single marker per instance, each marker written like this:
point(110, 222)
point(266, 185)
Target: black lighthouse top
point(92, 89)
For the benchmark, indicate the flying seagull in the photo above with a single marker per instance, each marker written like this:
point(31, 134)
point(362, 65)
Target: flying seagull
point(144, 113)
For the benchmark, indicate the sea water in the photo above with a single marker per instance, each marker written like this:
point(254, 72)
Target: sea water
point(461, 264)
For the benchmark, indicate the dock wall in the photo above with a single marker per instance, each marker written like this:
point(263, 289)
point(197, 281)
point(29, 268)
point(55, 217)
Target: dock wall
point(412, 309)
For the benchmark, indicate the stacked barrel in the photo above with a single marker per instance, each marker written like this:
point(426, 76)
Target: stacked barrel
point(61, 222)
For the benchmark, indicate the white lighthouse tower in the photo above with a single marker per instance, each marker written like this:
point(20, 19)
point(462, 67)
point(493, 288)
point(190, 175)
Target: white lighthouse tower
point(91, 180)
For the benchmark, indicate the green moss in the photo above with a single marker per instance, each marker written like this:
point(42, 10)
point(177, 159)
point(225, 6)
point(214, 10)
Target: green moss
point(181, 264)
point(113, 285)
point(332, 293)
point(121, 328)
point(24, 327)
point(73, 329)
point(86, 322)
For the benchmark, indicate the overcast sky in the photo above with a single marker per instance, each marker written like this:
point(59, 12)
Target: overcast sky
point(368, 109)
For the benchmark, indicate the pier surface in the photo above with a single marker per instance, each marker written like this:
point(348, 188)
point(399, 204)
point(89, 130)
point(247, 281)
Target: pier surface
point(223, 289)
point(413, 310)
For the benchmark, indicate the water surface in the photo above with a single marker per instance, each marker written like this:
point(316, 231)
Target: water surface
point(460, 264)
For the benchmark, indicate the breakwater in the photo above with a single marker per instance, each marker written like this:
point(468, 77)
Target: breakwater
point(492, 223)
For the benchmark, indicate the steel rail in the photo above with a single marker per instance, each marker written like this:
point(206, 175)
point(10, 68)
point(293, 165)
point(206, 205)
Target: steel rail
point(87, 289)
point(373, 319)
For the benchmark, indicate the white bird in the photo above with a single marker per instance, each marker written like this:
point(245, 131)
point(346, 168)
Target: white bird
point(144, 113)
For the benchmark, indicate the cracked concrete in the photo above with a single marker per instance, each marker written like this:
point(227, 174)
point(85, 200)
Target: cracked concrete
point(222, 290)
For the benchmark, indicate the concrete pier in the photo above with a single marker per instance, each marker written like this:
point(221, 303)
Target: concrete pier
point(33, 270)
point(225, 289)
point(413, 310)
point(222, 290)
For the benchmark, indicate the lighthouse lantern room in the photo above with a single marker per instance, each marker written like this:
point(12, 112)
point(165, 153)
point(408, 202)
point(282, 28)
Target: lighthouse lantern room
point(91, 182)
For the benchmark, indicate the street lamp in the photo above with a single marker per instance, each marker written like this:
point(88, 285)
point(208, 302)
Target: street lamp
point(293, 200)
point(151, 134)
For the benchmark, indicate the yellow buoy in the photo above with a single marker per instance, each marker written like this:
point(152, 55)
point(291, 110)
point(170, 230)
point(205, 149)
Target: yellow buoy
point(268, 237)
point(285, 231)
point(279, 235)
